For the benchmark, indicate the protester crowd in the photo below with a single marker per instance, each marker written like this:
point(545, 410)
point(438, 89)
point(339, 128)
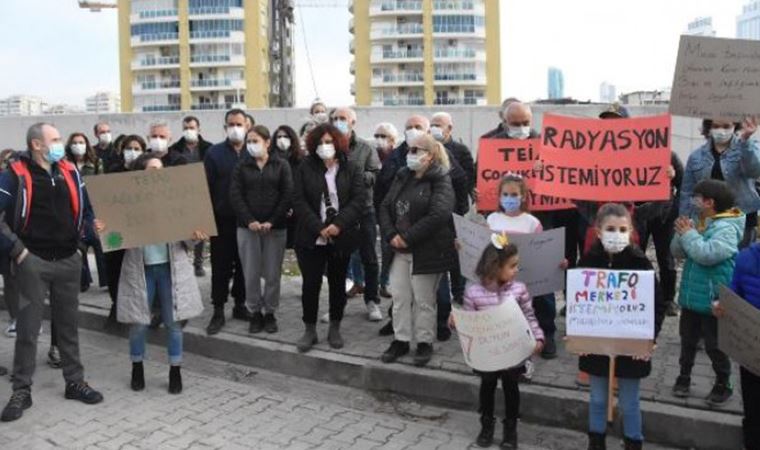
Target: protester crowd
point(331, 195)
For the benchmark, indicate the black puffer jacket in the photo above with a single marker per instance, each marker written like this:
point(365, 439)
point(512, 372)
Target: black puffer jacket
point(431, 235)
point(261, 195)
point(310, 184)
point(632, 258)
point(462, 154)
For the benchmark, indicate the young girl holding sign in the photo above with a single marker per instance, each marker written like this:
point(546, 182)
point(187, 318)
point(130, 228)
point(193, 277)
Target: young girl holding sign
point(614, 250)
point(497, 270)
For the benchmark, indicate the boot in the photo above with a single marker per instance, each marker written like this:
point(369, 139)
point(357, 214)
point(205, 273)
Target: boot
point(597, 441)
point(509, 439)
point(217, 321)
point(485, 438)
point(308, 339)
point(138, 377)
point(630, 444)
point(175, 380)
point(333, 335)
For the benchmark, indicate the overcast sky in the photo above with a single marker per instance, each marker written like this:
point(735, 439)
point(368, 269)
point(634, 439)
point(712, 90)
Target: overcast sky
point(53, 49)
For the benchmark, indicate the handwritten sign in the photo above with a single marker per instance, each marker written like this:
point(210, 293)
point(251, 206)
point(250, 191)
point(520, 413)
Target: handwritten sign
point(152, 206)
point(605, 160)
point(499, 157)
point(716, 78)
point(540, 255)
point(739, 330)
point(494, 339)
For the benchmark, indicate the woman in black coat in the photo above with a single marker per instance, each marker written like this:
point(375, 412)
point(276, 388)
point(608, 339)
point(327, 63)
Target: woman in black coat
point(329, 198)
point(415, 218)
point(287, 145)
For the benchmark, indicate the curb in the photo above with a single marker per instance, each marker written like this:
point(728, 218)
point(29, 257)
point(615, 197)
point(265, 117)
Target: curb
point(666, 424)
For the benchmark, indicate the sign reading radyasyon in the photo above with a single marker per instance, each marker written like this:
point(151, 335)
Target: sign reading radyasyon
point(151, 206)
point(494, 339)
point(716, 78)
point(739, 330)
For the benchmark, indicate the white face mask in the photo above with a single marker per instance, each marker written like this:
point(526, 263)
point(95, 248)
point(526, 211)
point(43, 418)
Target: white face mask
point(437, 133)
point(518, 132)
point(104, 138)
point(190, 135)
point(131, 155)
point(381, 143)
point(721, 135)
point(411, 134)
point(615, 241)
point(78, 149)
point(326, 151)
point(283, 143)
point(320, 117)
point(158, 145)
point(236, 134)
point(255, 149)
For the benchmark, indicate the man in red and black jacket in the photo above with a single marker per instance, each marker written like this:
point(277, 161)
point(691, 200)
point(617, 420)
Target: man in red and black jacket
point(45, 205)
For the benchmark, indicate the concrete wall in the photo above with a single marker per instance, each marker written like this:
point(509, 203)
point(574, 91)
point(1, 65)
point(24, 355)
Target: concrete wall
point(469, 122)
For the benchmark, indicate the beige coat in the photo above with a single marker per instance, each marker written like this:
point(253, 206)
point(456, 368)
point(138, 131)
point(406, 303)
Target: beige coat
point(132, 303)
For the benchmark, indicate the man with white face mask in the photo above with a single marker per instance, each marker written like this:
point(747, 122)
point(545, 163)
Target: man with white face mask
point(104, 147)
point(220, 161)
point(158, 139)
point(441, 128)
point(191, 146)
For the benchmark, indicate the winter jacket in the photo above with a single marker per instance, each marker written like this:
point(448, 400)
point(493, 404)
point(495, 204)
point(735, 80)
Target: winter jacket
point(261, 195)
point(430, 238)
point(90, 168)
point(219, 163)
point(132, 304)
point(495, 132)
point(478, 298)
point(740, 164)
point(397, 161)
point(710, 259)
point(180, 148)
point(463, 156)
point(632, 258)
point(310, 185)
point(746, 279)
point(361, 153)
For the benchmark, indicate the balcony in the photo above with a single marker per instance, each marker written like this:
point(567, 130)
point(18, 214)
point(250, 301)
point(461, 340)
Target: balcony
point(151, 63)
point(155, 39)
point(212, 60)
point(213, 84)
point(455, 5)
point(403, 78)
point(473, 101)
point(160, 108)
point(395, 32)
point(352, 67)
point(395, 56)
point(211, 106)
point(158, 85)
point(456, 53)
point(153, 14)
point(397, 7)
point(351, 25)
point(400, 101)
point(225, 35)
point(459, 78)
point(222, 11)
point(467, 30)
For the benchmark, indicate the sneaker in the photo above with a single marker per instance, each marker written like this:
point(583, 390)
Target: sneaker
point(270, 323)
point(384, 292)
point(395, 351)
point(54, 358)
point(423, 354)
point(11, 330)
point(356, 289)
point(527, 377)
point(387, 329)
point(373, 312)
point(83, 392)
point(682, 386)
point(216, 323)
point(21, 399)
point(550, 348)
point(720, 393)
point(325, 318)
point(200, 272)
point(241, 313)
point(257, 323)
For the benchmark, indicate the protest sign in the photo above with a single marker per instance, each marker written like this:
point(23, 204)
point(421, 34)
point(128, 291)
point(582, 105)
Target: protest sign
point(605, 160)
point(498, 157)
point(610, 312)
point(716, 78)
point(151, 206)
point(494, 339)
point(739, 330)
point(540, 255)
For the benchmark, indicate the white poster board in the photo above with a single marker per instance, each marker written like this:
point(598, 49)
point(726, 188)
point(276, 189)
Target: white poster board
point(540, 255)
point(494, 339)
point(739, 330)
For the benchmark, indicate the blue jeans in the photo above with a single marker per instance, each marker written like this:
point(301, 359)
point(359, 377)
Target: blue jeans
point(158, 279)
point(356, 269)
point(628, 402)
point(545, 307)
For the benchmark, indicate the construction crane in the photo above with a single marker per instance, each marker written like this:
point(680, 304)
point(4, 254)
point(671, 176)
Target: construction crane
point(96, 6)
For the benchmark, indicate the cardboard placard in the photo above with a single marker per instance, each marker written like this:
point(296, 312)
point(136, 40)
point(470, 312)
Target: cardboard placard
point(152, 206)
point(716, 78)
point(498, 157)
point(739, 330)
point(540, 255)
point(605, 160)
point(494, 339)
point(610, 312)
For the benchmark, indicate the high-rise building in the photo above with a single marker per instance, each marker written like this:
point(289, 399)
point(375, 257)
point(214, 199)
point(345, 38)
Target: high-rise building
point(22, 105)
point(748, 23)
point(701, 26)
point(425, 52)
point(556, 83)
point(103, 102)
point(202, 54)
point(62, 108)
point(607, 93)
point(646, 98)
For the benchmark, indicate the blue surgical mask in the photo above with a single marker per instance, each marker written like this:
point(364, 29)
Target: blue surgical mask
point(342, 126)
point(55, 153)
point(510, 204)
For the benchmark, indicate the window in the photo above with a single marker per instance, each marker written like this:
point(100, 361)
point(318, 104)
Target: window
point(156, 31)
point(457, 23)
point(214, 28)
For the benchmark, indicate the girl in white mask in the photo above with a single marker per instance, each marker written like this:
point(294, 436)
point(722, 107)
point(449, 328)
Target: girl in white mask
point(615, 251)
point(79, 151)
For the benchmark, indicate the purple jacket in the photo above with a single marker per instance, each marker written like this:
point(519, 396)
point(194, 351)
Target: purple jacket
point(478, 298)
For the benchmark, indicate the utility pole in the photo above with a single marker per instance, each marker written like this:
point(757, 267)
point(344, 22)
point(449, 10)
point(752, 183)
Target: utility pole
point(280, 46)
